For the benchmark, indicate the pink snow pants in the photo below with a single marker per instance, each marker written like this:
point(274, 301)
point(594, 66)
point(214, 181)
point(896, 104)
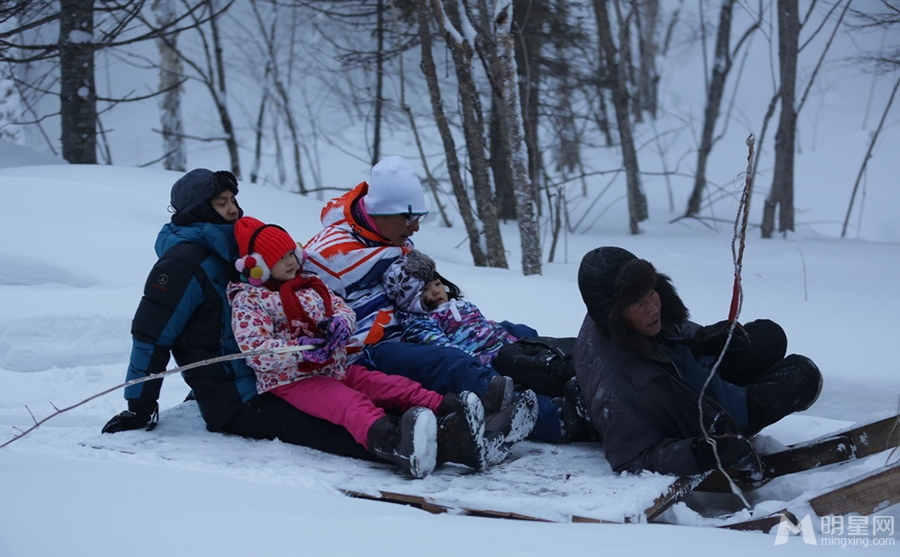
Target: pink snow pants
point(358, 400)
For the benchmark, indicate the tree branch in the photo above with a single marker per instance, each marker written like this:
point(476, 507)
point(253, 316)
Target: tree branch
point(153, 377)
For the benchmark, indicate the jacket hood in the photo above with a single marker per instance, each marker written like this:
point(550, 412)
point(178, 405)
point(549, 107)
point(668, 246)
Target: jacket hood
point(218, 238)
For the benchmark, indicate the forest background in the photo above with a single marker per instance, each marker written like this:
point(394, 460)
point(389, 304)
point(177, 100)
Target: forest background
point(567, 117)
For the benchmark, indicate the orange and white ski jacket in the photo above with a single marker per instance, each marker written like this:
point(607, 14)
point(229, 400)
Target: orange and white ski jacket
point(351, 259)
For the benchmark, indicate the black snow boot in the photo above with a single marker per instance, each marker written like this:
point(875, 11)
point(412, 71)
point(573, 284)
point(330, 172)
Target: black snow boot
point(498, 395)
point(460, 433)
point(791, 385)
point(409, 442)
point(507, 427)
point(574, 415)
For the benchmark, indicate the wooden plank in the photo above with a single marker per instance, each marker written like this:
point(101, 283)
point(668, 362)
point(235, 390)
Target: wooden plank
point(677, 491)
point(850, 444)
point(436, 508)
point(864, 495)
point(856, 442)
point(764, 524)
point(680, 487)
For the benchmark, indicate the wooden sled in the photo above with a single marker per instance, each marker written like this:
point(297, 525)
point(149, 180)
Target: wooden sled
point(850, 444)
point(864, 495)
point(678, 489)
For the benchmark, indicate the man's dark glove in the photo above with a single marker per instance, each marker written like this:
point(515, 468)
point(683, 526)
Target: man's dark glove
point(712, 337)
point(734, 451)
point(139, 413)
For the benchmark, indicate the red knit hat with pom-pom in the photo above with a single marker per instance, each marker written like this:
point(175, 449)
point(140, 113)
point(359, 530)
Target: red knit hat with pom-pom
point(261, 246)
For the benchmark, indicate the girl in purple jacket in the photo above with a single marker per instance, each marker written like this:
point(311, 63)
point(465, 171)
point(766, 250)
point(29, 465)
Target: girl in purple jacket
point(431, 310)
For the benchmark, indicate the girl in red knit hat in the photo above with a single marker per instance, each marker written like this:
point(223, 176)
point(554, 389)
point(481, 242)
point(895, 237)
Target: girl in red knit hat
point(277, 305)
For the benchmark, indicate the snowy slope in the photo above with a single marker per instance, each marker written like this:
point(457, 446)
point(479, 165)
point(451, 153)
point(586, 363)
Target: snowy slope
point(78, 244)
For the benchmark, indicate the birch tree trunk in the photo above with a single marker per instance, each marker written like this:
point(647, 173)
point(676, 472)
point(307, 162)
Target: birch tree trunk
point(504, 192)
point(781, 196)
point(462, 51)
point(529, 231)
point(10, 105)
point(637, 201)
point(171, 76)
point(440, 118)
point(77, 89)
point(10, 99)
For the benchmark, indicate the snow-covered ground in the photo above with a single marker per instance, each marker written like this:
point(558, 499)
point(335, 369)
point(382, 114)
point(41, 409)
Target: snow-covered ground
point(78, 242)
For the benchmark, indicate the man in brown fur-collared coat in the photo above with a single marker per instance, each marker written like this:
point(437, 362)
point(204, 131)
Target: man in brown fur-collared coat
point(641, 365)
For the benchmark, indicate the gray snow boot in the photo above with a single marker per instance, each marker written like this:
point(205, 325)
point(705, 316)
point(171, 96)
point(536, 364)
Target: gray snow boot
point(509, 426)
point(411, 444)
point(460, 433)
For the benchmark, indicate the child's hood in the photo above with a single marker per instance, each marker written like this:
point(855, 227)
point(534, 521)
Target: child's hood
point(405, 279)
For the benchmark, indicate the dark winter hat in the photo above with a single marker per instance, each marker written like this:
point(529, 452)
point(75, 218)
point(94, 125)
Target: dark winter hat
point(613, 278)
point(261, 246)
point(406, 277)
point(192, 192)
point(394, 189)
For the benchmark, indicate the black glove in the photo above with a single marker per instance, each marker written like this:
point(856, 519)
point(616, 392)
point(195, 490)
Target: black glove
point(139, 413)
point(712, 337)
point(733, 450)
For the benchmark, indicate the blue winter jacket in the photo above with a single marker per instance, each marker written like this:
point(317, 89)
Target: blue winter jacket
point(185, 313)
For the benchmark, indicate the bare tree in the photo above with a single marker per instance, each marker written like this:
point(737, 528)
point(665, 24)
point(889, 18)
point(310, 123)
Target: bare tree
point(881, 62)
point(431, 182)
point(532, 18)
point(715, 92)
point(77, 90)
point(276, 86)
point(440, 118)
point(618, 82)
point(773, 102)
point(10, 99)
point(379, 80)
point(529, 231)
point(458, 33)
point(781, 196)
point(171, 77)
point(647, 80)
point(889, 60)
point(81, 29)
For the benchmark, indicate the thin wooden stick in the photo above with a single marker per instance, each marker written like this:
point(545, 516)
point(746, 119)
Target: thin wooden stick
point(208, 361)
point(737, 300)
point(740, 237)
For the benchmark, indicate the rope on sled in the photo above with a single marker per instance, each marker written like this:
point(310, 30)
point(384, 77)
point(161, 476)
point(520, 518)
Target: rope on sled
point(738, 243)
point(153, 377)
